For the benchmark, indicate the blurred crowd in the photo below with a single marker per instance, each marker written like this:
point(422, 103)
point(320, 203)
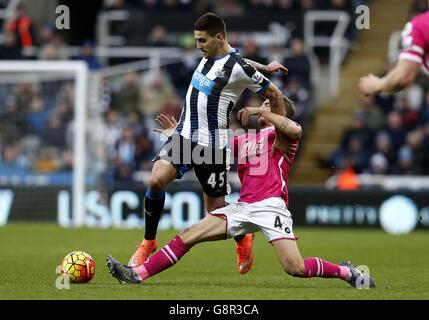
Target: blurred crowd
point(36, 117)
point(389, 133)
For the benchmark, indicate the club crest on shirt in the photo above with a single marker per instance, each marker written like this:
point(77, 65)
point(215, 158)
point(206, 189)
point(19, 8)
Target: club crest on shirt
point(220, 73)
point(257, 77)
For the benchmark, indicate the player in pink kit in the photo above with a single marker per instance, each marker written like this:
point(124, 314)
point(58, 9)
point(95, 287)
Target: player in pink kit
point(413, 58)
point(263, 206)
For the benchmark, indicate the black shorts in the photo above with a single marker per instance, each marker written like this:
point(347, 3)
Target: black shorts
point(211, 165)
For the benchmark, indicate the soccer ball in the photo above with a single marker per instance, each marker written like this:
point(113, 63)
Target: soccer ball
point(78, 266)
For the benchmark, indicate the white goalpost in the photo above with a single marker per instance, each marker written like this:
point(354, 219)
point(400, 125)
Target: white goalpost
point(17, 71)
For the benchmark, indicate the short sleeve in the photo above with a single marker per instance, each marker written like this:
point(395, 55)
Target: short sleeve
point(413, 43)
point(252, 78)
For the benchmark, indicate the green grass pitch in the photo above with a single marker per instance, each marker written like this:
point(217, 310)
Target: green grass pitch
point(29, 254)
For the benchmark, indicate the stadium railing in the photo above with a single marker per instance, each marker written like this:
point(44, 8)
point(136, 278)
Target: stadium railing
point(386, 182)
point(337, 43)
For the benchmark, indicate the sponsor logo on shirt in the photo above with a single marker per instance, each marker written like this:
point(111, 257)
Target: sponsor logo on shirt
point(202, 83)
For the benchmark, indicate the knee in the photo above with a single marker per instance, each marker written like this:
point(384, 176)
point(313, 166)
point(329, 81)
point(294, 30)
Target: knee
point(295, 269)
point(155, 184)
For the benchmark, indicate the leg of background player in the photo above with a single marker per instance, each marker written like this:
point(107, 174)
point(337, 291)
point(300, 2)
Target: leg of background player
point(163, 173)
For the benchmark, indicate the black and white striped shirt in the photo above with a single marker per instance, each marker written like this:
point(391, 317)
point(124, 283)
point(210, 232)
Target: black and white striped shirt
point(215, 88)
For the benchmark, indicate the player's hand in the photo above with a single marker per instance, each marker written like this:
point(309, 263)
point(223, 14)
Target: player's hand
point(244, 114)
point(369, 85)
point(286, 147)
point(275, 66)
point(167, 124)
point(291, 149)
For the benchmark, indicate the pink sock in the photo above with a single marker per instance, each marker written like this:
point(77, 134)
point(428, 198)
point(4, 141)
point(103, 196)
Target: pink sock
point(316, 267)
point(163, 259)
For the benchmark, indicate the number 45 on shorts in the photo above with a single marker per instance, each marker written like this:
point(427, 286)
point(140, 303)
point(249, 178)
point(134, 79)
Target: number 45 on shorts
point(213, 182)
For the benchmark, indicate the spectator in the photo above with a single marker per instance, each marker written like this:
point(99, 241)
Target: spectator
point(156, 91)
point(378, 164)
point(252, 52)
point(157, 37)
point(358, 154)
point(373, 117)
point(383, 146)
point(395, 130)
point(181, 73)
point(301, 97)
point(285, 5)
point(409, 117)
point(359, 131)
point(22, 26)
point(172, 107)
point(24, 93)
point(414, 141)
point(55, 42)
point(12, 122)
point(226, 8)
point(200, 7)
point(135, 122)
point(112, 132)
point(9, 49)
point(37, 117)
point(306, 5)
point(87, 55)
point(298, 64)
point(127, 98)
point(144, 152)
point(125, 148)
point(55, 134)
point(48, 160)
point(49, 52)
point(347, 178)
point(12, 160)
point(405, 164)
point(424, 112)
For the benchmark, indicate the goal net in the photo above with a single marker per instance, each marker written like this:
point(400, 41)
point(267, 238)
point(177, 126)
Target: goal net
point(43, 141)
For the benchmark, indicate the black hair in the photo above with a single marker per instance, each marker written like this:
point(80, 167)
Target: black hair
point(211, 23)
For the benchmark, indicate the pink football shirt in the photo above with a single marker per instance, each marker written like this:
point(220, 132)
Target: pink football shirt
point(415, 41)
point(261, 175)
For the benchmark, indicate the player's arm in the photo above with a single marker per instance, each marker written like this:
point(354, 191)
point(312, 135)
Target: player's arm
point(282, 123)
point(272, 67)
point(277, 102)
point(289, 107)
point(399, 78)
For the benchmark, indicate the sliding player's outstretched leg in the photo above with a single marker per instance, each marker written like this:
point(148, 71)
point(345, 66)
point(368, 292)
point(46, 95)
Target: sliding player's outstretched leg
point(290, 258)
point(209, 229)
point(358, 278)
point(124, 274)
